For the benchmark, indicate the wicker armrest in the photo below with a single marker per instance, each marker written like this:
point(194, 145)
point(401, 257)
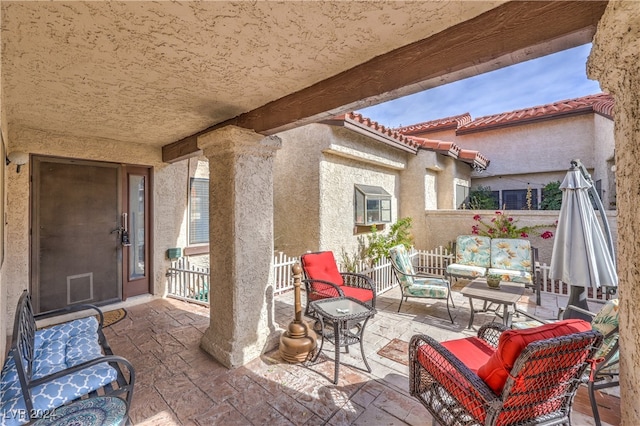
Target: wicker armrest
point(491, 332)
point(357, 280)
point(322, 286)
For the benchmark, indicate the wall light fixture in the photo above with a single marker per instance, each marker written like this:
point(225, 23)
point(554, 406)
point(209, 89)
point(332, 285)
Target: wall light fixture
point(18, 158)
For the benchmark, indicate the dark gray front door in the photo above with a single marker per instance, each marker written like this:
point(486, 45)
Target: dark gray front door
point(76, 255)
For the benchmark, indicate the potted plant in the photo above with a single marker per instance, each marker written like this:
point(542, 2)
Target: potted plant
point(493, 280)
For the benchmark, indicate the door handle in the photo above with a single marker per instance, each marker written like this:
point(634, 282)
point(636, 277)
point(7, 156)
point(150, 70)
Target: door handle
point(124, 235)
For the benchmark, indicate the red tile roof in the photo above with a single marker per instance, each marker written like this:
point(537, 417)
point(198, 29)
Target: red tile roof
point(451, 149)
point(393, 137)
point(436, 125)
point(601, 103)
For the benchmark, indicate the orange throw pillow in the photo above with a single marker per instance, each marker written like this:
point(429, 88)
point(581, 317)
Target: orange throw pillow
point(497, 368)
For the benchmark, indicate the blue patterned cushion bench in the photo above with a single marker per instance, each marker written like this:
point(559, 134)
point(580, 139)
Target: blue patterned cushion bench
point(48, 368)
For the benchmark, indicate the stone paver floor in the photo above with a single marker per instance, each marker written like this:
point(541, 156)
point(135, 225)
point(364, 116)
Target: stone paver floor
point(179, 384)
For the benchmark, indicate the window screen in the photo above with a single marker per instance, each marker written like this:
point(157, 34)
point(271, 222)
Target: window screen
point(199, 211)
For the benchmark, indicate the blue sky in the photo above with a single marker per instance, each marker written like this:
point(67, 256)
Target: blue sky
point(539, 81)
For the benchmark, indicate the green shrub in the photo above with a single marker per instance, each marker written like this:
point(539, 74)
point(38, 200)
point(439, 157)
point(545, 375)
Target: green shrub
point(482, 198)
point(551, 196)
point(379, 243)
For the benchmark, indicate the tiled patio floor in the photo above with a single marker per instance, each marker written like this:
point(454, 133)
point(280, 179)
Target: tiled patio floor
point(179, 384)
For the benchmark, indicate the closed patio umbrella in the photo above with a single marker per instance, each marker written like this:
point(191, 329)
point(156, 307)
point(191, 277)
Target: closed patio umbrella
point(581, 256)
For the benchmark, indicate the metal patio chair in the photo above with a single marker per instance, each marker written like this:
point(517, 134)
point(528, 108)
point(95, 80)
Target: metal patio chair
point(418, 284)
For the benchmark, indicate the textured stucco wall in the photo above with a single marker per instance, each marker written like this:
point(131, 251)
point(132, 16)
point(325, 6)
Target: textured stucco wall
point(544, 146)
point(604, 151)
point(314, 177)
point(615, 62)
point(169, 210)
point(296, 189)
point(338, 176)
point(533, 155)
point(419, 190)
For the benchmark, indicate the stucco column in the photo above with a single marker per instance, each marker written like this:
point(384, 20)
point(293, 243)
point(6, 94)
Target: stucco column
point(615, 62)
point(241, 244)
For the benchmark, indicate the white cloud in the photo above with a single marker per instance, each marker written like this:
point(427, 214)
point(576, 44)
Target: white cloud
point(539, 81)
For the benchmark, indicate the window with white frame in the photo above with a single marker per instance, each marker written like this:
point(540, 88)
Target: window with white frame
point(199, 211)
point(372, 205)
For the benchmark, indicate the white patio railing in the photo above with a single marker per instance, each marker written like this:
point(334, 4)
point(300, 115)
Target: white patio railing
point(188, 282)
point(191, 282)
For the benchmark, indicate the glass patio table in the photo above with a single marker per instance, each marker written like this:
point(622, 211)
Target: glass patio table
point(348, 318)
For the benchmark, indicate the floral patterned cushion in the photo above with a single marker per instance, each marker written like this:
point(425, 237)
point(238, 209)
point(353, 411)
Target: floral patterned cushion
point(470, 271)
point(400, 259)
point(55, 349)
point(435, 288)
point(512, 275)
point(606, 321)
point(511, 254)
point(473, 250)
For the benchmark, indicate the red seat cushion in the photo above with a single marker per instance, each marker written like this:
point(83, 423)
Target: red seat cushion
point(497, 368)
point(441, 370)
point(362, 294)
point(472, 351)
point(321, 266)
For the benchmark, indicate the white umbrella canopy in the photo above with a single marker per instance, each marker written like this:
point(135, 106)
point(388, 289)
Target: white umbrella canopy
point(580, 254)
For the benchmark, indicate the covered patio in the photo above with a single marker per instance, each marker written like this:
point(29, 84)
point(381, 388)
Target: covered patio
point(133, 89)
point(178, 383)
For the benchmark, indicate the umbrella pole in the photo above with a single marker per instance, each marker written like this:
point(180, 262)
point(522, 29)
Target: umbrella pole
point(578, 298)
point(598, 201)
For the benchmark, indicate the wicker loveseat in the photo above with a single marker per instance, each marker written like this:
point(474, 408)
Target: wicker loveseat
point(514, 259)
point(503, 377)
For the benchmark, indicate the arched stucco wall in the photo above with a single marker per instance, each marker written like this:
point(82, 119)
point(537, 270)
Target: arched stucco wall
point(615, 62)
point(168, 215)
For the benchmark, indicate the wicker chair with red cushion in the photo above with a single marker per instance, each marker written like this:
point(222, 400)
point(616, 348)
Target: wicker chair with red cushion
point(503, 377)
point(324, 280)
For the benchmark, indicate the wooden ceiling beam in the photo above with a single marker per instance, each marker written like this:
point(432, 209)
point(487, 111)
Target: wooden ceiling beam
point(471, 47)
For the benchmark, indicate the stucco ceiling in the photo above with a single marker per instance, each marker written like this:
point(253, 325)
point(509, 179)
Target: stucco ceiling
point(155, 72)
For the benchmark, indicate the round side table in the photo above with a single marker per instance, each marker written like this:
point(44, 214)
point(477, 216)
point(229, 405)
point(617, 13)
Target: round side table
point(98, 411)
